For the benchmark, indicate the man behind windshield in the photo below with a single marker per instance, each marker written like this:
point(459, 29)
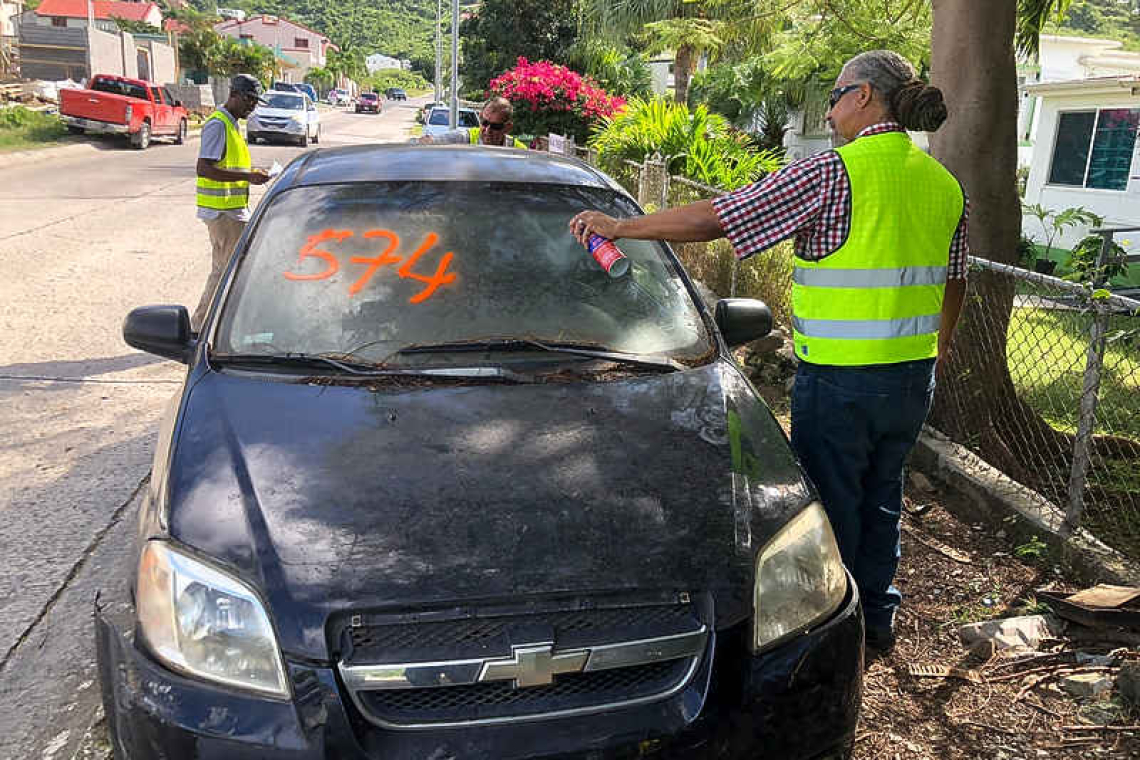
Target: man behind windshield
point(495, 126)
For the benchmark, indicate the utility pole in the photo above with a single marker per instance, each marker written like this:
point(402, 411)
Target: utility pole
point(454, 63)
point(438, 51)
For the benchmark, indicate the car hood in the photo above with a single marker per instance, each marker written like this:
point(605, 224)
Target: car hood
point(278, 113)
point(331, 498)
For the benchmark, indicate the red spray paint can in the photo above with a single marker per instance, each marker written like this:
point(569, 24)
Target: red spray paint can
point(608, 256)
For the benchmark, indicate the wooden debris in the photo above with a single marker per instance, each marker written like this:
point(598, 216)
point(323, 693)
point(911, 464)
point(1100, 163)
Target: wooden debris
point(1105, 596)
point(938, 546)
point(944, 671)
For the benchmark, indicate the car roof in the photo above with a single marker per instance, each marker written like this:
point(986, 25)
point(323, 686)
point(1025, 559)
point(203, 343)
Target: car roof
point(404, 162)
point(292, 93)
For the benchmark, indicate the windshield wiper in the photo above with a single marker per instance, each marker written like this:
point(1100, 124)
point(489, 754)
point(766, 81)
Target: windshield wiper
point(527, 344)
point(364, 369)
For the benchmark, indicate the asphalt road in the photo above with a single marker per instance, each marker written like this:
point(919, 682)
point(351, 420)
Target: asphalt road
point(86, 234)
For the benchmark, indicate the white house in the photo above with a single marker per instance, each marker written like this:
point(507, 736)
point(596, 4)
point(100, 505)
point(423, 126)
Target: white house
point(9, 10)
point(1085, 152)
point(298, 46)
point(378, 61)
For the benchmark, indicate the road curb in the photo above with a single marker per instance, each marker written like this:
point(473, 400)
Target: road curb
point(25, 157)
point(991, 497)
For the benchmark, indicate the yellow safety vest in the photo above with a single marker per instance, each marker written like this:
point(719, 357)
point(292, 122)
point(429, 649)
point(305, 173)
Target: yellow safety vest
point(878, 298)
point(225, 196)
point(473, 134)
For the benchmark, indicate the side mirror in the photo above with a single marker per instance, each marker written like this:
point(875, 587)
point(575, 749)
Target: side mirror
point(742, 320)
point(160, 330)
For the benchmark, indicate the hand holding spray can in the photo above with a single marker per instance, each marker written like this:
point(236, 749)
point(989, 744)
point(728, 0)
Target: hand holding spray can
point(608, 256)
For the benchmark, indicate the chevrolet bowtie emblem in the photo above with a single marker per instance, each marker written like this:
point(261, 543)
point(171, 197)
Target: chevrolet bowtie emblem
point(534, 665)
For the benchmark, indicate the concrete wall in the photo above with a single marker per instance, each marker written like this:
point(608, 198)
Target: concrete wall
point(105, 52)
point(161, 62)
point(198, 98)
point(1118, 207)
point(129, 65)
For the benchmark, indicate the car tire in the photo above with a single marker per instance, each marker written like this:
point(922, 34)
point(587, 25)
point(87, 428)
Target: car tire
point(180, 138)
point(303, 140)
point(75, 130)
point(358, 109)
point(317, 136)
point(141, 139)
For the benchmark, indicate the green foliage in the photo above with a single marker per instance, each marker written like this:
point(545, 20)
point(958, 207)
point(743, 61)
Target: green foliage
point(1082, 261)
point(1054, 223)
point(699, 145)
point(1109, 19)
point(821, 35)
point(617, 69)
point(504, 30)
point(408, 80)
point(134, 27)
point(1034, 549)
point(22, 127)
point(399, 28)
point(747, 93)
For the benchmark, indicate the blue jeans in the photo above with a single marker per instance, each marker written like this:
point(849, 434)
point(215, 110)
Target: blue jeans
point(852, 428)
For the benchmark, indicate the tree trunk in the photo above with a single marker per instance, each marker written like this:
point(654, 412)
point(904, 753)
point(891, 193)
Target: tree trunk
point(682, 72)
point(977, 403)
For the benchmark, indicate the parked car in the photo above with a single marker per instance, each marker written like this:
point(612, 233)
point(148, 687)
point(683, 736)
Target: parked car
point(425, 109)
point(133, 108)
point(338, 97)
point(436, 486)
point(439, 119)
point(288, 115)
point(369, 102)
point(395, 93)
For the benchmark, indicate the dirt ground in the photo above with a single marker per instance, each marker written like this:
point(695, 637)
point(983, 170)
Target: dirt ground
point(953, 573)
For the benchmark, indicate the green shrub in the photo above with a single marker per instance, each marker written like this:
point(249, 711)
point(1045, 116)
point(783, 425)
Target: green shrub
point(1082, 261)
point(407, 80)
point(696, 144)
point(19, 124)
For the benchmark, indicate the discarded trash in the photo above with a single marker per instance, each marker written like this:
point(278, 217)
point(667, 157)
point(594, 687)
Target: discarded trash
point(944, 671)
point(1105, 596)
point(1027, 631)
point(1096, 617)
point(1086, 684)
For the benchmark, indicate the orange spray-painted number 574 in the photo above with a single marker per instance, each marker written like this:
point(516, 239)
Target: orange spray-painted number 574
point(332, 265)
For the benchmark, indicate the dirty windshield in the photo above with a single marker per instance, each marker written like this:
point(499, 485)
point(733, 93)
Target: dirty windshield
point(371, 269)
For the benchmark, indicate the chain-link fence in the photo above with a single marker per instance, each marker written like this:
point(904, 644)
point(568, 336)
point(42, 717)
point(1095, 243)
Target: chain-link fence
point(1044, 383)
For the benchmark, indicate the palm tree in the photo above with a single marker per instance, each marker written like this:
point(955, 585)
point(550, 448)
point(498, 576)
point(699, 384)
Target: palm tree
point(688, 27)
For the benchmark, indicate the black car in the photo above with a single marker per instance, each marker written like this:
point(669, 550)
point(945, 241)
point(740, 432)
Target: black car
point(395, 93)
point(436, 485)
point(368, 102)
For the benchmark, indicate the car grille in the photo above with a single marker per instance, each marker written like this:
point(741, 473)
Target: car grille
point(273, 123)
point(490, 701)
point(481, 636)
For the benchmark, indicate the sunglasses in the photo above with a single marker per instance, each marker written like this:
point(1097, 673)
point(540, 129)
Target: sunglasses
point(837, 94)
point(495, 126)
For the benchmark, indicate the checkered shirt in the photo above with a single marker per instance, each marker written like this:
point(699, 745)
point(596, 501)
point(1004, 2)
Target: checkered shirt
point(810, 200)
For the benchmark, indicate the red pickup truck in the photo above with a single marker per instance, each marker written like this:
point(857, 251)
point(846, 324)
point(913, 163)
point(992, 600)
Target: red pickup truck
point(117, 105)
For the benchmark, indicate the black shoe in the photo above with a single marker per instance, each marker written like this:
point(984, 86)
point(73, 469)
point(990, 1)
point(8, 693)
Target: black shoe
point(880, 640)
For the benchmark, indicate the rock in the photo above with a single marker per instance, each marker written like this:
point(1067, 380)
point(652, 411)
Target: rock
point(766, 345)
point(921, 482)
point(1086, 684)
point(1098, 660)
point(1026, 631)
point(1128, 681)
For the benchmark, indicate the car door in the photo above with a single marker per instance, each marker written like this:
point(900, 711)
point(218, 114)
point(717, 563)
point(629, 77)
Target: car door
point(162, 113)
point(175, 117)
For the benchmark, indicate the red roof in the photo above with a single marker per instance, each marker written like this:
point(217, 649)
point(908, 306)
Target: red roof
point(104, 9)
point(176, 26)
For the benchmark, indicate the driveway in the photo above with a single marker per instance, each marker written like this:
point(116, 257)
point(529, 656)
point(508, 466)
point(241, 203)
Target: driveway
point(86, 236)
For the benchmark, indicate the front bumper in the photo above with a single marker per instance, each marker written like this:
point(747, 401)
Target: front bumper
point(289, 129)
point(98, 127)
point(798, 701)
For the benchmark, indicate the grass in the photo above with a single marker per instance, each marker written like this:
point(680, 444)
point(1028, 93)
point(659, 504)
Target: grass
point(23, 129)
point(1047, 356)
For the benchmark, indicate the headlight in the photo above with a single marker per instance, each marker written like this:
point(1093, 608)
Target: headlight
point(203, 622)
point(800, 578)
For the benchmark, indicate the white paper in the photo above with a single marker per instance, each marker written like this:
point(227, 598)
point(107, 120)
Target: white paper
point(557, 143)
point(276, 169)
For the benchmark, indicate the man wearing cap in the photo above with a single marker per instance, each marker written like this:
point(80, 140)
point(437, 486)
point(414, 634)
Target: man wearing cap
point(224, 175)
point(494, 129)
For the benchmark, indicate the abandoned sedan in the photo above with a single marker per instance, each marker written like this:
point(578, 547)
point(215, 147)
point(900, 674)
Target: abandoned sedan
point(438, 485)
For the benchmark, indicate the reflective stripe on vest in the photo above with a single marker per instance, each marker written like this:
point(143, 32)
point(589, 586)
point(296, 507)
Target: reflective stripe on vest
point(473, 136)
point(878, 298)
point(224, 196)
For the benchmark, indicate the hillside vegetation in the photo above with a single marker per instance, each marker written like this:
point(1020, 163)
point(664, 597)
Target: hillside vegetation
point(1111, 19)
point(399, 28)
